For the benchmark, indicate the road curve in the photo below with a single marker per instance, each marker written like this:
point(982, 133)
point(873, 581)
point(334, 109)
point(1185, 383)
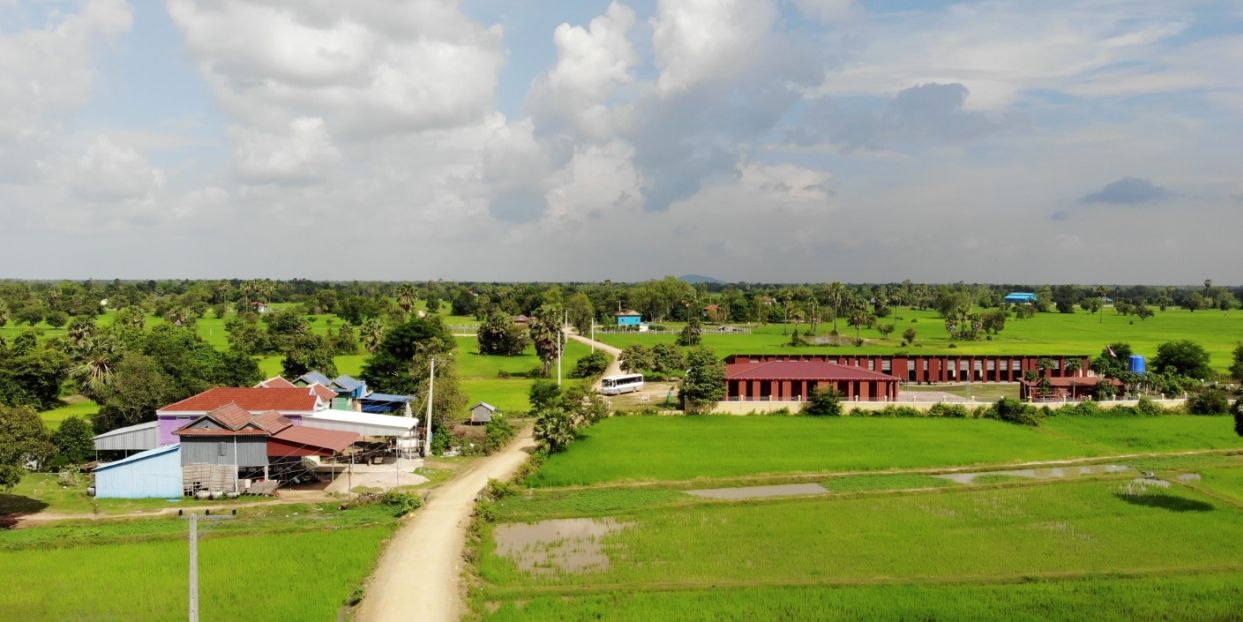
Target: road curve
point(419, 574)
point(614, 367)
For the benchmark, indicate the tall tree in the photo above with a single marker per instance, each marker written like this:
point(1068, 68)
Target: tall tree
point(389, 370)
point(498, 334)
point(545, 328)
point(705, 380)
point(23, 440)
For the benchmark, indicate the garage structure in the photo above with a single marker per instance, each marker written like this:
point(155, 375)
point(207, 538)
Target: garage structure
point(152, 474)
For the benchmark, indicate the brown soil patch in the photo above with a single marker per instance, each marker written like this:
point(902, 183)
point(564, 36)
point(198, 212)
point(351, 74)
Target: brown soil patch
point(561, 545)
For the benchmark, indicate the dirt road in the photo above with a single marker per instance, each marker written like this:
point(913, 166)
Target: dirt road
point(419, 575)
point(614, 367)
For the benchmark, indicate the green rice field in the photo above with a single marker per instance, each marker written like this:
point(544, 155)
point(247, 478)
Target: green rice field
point(683, 448)
point(888, 545)
point(293, 563)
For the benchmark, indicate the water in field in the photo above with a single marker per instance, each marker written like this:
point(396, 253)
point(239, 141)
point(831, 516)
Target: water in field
point(1050, 473)
point(560, 545)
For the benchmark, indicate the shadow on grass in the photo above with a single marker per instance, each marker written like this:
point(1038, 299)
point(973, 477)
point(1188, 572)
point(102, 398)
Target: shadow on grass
point(1167, 502)
point(13, 507)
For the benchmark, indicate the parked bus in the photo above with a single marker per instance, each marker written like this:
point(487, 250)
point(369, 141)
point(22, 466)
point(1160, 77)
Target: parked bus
point(625, 383)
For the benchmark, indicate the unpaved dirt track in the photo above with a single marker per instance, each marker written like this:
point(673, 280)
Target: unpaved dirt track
point(419, 574)
point(614, 367)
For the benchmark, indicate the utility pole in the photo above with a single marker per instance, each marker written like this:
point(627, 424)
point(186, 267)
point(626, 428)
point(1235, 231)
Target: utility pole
point(431, 380)
point(194, 557)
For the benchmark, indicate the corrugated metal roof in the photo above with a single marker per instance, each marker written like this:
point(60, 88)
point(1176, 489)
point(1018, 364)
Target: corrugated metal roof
point(311, 377)
point(135, 437)
point(150, 453)
point(347, 383)
point(801, 370)
point(387, 397)
point(485, 405)
point(333, 440)
point(365, 424)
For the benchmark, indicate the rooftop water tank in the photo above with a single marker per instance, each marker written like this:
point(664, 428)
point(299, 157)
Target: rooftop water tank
point(1137, 364)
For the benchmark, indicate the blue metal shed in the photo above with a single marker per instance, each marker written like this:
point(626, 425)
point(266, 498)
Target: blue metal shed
point(152, 474)
point(629, 317)
point(1020, 297)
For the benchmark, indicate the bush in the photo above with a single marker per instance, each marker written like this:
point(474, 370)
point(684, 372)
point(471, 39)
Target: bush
point(1148, 408)
point(941, 409)
point(402, 503)
point(1014, 411)
point(824, 402)
point(496, 433)
point(591, 365)
point(499, 489)
point(1211, 400)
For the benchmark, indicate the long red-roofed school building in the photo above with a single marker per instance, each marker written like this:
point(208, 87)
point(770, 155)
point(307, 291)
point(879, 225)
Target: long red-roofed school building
point(934, 368)
point(780, 380)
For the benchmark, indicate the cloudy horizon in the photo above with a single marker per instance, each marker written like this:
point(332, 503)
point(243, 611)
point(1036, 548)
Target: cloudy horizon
point(747, 140)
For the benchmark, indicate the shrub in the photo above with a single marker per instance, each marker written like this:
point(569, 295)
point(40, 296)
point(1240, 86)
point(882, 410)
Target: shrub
point(824, 402)
point(1014, 411)
point(591, 365)
point(941, 409)
point(402, 503)
point(1148, 408)
point(1211, 400)
point(499, 489)
point(496, 433)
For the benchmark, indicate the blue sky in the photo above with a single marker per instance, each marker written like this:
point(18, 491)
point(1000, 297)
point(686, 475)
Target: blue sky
point(778, 140)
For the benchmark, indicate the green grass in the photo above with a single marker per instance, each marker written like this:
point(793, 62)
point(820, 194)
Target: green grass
point(1147, 434)
point(962, 535)
point(1046, 333)
point(76, 407)
point(42, 492)
point(1186, 597)
point(505, 381)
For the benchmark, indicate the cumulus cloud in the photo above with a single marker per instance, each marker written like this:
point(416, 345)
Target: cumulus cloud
point(301, 154)
point(107, 172)
point(829, 11)
point(1128, 191)
point(366, 67)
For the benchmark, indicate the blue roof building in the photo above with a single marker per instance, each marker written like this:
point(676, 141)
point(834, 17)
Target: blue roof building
point(152, 474)
point(1020, 297)
point(629, 317)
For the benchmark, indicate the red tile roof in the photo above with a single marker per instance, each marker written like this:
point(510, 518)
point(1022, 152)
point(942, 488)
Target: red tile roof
point(237, 421)
point(253, 399)
point(801, 370)
point(276, 382)
point(322, 391)
point(231, 416)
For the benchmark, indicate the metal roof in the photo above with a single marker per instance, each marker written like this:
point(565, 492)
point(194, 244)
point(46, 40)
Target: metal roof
point(485, 405)
point(366, 424)
point(150, 453)
point(141, 436)
point(387, 397)
point(311, 377)
point(347, 383)
point(319, 438)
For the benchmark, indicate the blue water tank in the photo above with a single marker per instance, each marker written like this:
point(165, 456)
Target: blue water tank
point(1137, 364)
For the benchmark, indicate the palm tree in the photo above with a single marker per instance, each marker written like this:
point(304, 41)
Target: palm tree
point(4, 314)
point(837, 293)
point(372, 332)
point(406, 297)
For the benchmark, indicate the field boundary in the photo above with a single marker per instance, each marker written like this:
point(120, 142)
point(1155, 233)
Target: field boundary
point(495, 592)
point(819, 475)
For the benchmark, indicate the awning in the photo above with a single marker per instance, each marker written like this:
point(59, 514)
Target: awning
point(366, 424)
point(305, 441)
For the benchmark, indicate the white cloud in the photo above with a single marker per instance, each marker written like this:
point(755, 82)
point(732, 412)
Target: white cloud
point(302, 154)
point(786, 182)
point(699, 41)
point(366, 67)
point(999, 49)
point(593, 64)
point(107, 172)
point(829, 11)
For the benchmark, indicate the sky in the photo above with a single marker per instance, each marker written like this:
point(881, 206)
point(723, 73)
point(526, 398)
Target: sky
point(1086, 141)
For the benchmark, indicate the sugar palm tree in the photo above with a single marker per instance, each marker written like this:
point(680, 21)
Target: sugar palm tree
point(372, 332)
point(406, 297)
point(837, 294)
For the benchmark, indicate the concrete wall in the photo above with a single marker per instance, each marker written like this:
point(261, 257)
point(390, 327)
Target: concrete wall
point(252, 451)
point(746, 408)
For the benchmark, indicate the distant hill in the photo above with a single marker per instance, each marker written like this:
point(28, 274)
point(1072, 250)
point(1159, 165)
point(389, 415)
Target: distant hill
point(695, 279)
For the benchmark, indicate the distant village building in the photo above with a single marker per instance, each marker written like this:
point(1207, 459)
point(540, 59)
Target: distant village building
point(628, 318)
point(1020, 298)
point(481, 413)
